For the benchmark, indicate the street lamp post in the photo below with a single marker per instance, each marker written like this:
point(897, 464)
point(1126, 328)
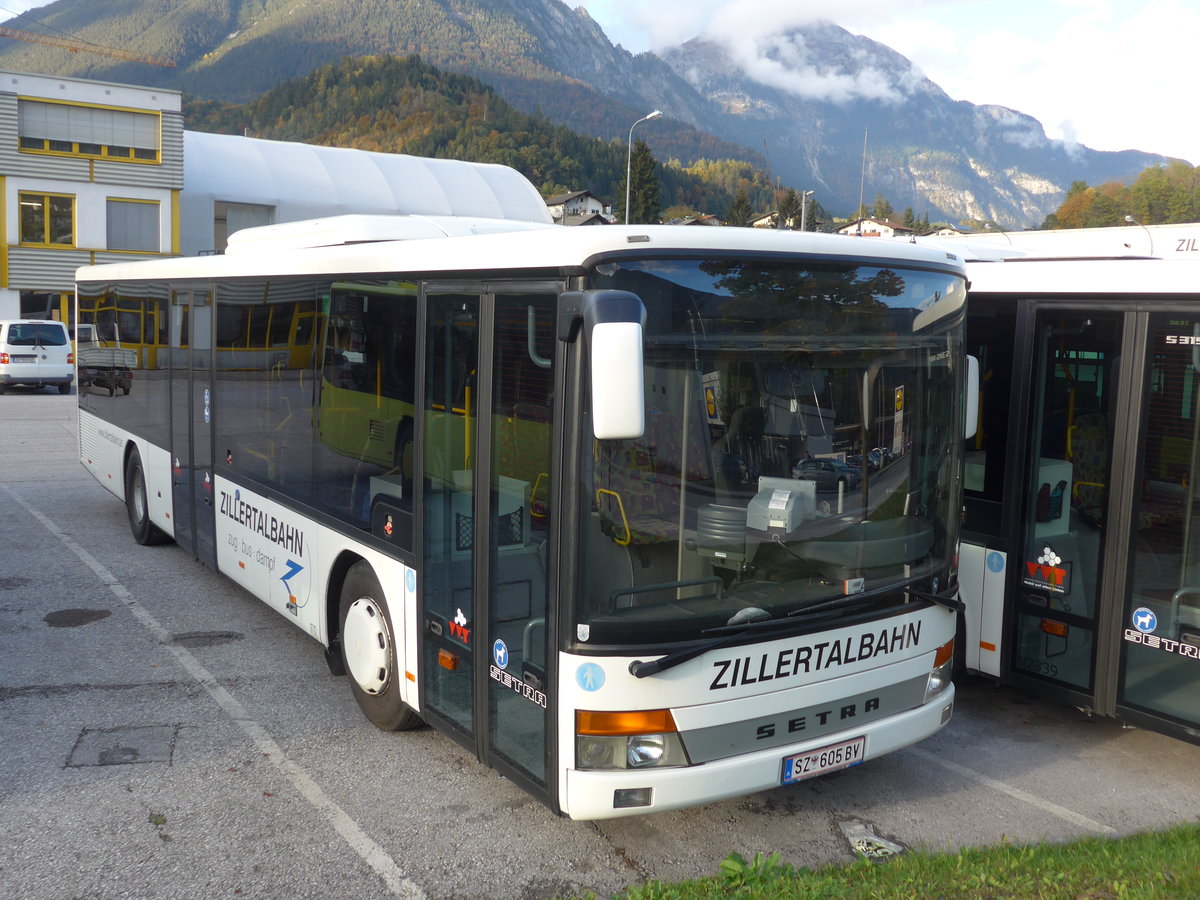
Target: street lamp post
point(657, 114)
point(804, 195)
point(1132, 221)
point(992, 226)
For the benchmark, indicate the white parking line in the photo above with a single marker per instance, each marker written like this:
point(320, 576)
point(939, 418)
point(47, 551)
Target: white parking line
point(1054, 809)
point(374, 855)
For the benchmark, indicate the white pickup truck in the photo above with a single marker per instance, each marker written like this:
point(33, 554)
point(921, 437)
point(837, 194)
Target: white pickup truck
point(101, 365)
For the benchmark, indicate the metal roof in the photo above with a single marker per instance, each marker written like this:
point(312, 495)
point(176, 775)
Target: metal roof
point(305, 181)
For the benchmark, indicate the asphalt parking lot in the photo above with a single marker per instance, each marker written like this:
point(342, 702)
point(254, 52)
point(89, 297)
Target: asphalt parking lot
point(164, 735)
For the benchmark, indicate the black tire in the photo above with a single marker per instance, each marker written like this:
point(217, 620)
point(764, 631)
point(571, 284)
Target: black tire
point(144, 531)
point(369, 651)
point(64, 387)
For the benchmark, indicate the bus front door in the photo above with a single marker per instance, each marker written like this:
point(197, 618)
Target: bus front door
point(1072, 415)
point(1108, 601)
point(486, 523)
point(191, 424)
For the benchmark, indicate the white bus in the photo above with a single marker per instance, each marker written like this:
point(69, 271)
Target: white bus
point(1081, 547)
point(539, 487)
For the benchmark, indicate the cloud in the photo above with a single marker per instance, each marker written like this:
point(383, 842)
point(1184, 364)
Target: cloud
point(1019, 129)
point(639, 25)
point(761, 38)
point(785, 62)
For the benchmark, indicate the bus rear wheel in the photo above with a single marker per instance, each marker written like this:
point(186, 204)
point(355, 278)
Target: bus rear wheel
point(369, 651)
point(144, 531)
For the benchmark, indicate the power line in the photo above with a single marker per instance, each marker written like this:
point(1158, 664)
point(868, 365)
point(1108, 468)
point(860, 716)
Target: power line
point(25, 15)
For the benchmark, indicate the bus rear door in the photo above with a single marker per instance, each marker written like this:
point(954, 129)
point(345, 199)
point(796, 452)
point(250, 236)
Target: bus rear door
point(191, 423)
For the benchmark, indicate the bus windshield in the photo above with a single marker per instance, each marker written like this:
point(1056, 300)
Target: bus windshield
point(801, 449)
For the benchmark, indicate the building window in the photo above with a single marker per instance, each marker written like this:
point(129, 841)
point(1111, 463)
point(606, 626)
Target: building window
point(48, 219)
point(133, 225)
point(64, 129)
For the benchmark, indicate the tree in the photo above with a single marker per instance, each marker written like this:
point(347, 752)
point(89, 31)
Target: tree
point(1160, 195)
point(680, 211)
point(1076, 209)
point(402, 105)
point(739, 211)
point(789, 210)
point(645, 193)
point(882, 209)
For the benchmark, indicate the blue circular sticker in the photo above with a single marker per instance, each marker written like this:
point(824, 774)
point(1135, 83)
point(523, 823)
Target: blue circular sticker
point(500, 653)
point(995, 562)
point(1144, 620)
point(590, 677)
point(410, 580)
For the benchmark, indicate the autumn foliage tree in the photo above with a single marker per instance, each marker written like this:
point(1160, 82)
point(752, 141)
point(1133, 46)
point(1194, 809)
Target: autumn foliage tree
point(1161, 195)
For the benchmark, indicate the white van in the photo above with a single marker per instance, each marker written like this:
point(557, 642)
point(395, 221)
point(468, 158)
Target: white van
point(35, 352)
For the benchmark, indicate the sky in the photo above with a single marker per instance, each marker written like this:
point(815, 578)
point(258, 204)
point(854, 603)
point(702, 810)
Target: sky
point(1110, 74)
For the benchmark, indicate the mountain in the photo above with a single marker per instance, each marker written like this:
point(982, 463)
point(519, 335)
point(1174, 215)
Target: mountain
point(395, 104)
point(819, 90)
point(800, 100)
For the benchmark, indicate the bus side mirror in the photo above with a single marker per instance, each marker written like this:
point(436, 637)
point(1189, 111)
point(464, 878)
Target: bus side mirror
point(972, 404)
point(613, 323)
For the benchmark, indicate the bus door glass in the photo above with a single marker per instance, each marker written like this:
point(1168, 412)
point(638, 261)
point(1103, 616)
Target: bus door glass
point(1160, 626)
point(486, 522)
point(448, 492)
point(1076, 368)
point(191, 423)
point(519, 520)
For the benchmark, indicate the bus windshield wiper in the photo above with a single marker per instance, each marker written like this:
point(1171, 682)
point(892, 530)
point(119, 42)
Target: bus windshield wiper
point(728, 633)
point(906, 586)
point(949, 602)
point(641, 668)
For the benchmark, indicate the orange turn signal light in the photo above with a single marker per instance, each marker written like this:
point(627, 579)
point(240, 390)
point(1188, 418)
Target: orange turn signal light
point(640, 721)
point(945, 653)
point(448, 660)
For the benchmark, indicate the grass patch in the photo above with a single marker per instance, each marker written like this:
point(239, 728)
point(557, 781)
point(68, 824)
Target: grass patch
point(1139, 867)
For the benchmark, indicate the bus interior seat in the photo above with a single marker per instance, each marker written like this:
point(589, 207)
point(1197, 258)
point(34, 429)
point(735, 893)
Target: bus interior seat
point(1087, 450)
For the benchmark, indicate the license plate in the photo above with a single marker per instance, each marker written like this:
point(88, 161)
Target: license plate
point(825, 759)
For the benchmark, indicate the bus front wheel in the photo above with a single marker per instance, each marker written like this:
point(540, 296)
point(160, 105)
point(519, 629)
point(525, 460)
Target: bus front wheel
point(144, 531)
point(369, 651)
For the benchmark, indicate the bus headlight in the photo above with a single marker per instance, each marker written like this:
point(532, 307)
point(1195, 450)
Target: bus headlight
point(646, 750)
point(622, 740)
point(943, 669)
